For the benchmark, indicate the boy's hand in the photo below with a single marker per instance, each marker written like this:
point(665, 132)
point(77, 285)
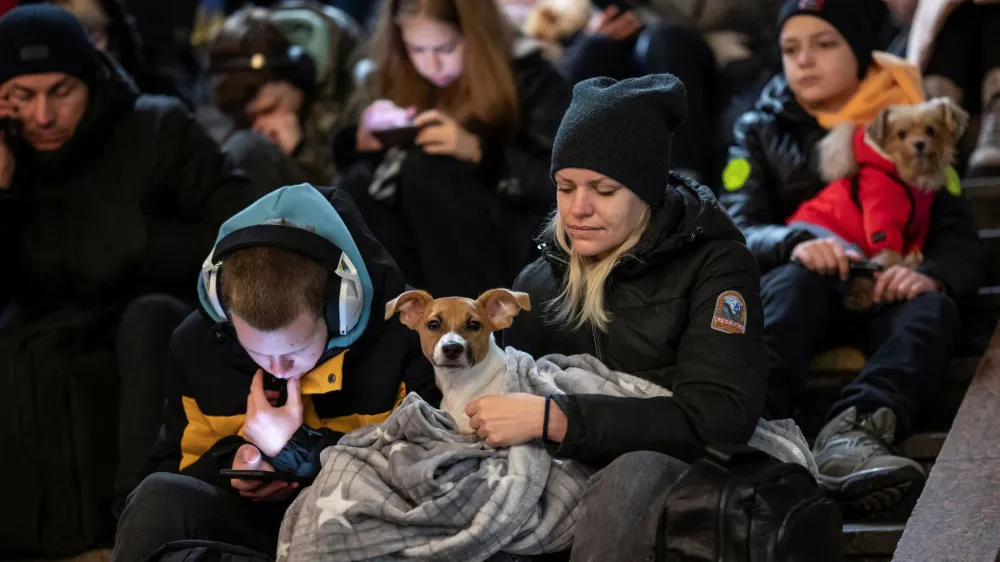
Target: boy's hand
point(267, 427)
point(826, 256)
point(249, 458)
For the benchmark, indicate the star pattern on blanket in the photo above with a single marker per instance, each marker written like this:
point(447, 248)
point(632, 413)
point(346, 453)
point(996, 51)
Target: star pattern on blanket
point(397, 447)
point(283, 549)
point(335, 506)
point(493, 475)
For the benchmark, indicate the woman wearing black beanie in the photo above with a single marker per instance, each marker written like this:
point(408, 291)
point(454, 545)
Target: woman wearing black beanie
point(832, 76)
point(643, 270)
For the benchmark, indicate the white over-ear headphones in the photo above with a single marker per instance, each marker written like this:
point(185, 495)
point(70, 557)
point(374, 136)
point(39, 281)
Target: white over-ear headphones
point(347, 292)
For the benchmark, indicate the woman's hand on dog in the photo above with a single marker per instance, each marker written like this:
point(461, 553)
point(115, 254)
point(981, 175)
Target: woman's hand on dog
point(513, 419)
point(826, 256)
point(900, 283)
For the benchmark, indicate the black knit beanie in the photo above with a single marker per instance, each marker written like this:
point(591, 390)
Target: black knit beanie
point(622, 130)
point(854, 19)
point(40, 38)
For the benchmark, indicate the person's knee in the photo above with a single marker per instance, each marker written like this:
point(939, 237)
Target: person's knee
point(793, 279)
point(664, 37)
point(160, 490)
point(939, 306)
point(666, 42)
point(636, 474)
point(154, 309)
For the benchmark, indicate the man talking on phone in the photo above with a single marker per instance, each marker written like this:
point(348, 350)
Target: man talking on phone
point(109, 199)
point(289, 352)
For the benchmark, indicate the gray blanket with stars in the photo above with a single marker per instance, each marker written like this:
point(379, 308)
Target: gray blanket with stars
point(411, 488)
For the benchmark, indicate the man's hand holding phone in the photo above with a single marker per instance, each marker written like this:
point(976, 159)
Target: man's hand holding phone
point(248, 457)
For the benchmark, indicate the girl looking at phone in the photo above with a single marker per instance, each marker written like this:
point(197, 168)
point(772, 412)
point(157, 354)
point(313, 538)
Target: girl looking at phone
point(475, 176)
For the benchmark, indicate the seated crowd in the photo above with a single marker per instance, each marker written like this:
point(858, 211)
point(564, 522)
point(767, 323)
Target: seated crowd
point(184, 298)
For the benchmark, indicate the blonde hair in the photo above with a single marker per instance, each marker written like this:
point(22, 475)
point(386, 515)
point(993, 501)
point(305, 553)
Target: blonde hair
point(581, 301)
point(484, 98)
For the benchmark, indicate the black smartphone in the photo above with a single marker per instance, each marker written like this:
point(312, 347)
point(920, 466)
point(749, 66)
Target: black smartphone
point(11, 128)
point(864, 269)
point(622, 5)
point(263, 476)
point(403, 137)
point(399, 136)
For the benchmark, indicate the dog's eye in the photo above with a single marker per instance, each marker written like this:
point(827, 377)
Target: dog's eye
point(902, 135)
point(930, 131)
point(474, 326)
point(433, 325)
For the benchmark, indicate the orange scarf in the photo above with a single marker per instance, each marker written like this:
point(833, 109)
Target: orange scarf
point(890, 81)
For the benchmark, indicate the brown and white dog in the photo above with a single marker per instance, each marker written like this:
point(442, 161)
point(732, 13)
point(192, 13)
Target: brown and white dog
point(456, 335)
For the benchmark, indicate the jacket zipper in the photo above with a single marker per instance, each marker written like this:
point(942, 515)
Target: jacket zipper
point(720, 542)
point(597, 344)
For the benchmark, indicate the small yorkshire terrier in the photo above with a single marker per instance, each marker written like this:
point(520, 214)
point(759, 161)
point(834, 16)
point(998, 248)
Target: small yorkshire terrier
point(550, 21)
point(883, 181)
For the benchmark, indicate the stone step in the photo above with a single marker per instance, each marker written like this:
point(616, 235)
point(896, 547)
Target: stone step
point(990, 238)
point(983, 196)
point(831, 372)
point(871, 541)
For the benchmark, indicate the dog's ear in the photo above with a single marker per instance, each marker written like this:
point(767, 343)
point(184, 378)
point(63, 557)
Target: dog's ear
point(548, 16)
point(836, 153)
point(878, 130)
point(411, 306)
point(502, 306)
point(953, 116)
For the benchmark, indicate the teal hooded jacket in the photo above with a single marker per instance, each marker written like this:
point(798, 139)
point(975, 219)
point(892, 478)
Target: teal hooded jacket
point(363, 375)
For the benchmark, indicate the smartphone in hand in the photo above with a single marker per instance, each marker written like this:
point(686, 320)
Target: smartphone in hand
point(263, 476)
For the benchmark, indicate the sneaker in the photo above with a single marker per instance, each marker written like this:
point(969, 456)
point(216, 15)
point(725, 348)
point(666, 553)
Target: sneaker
point(859, 468)
point(985, 161)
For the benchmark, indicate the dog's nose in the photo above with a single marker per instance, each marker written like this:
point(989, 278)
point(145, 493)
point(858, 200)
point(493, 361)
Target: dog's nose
point(920, 145)
point(452, 350)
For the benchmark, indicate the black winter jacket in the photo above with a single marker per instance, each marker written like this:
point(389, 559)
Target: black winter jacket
point(664, 300)
point(130, 204)
point(209, 374)
point(777, 141)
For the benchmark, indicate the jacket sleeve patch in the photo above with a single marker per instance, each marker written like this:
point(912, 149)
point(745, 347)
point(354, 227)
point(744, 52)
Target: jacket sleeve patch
point(730, 313)
point(736, 174)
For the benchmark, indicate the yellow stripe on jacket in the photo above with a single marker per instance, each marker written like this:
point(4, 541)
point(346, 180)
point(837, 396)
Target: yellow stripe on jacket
point(203, 431)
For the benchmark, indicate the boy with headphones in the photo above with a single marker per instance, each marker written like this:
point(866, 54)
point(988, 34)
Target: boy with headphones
point(289, 353)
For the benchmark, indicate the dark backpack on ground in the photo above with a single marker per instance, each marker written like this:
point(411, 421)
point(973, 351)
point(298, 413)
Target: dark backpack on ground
point(739, 504)
point(206, 551)
point(58, 433)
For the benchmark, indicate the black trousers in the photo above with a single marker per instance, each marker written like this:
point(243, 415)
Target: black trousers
point(171, 507)
point(967, 48)
point(907, 344)
point(142, 344)
point(447, 231)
